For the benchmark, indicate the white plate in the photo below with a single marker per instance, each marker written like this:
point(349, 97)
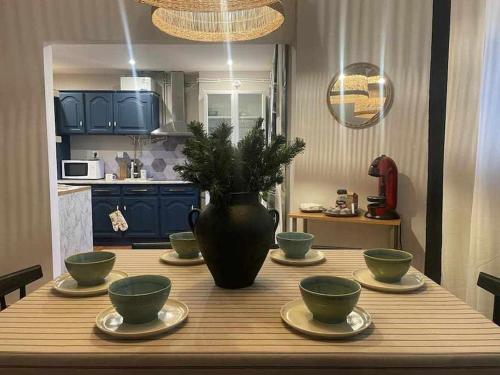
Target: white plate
point(311, 207)
point(297, 315)
point(171, 315)
point(171, 257)
point(312, 257)
point(408, 283)
point(66, 285)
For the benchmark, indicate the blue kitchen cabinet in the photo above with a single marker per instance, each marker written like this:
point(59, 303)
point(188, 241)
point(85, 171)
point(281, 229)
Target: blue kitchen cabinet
point(99, 112)
point(152, 212)
point(135, 112)
point(174, 213)
point(101, 224)
point(71, 113)
point(142, 215)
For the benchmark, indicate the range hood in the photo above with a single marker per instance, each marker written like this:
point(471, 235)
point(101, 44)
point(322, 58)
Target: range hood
point(173, 122)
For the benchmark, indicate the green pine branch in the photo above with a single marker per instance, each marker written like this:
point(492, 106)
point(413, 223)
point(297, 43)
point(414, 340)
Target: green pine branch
point(218, 167)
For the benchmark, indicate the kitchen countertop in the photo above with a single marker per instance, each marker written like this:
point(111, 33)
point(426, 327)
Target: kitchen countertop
point(128, 181)
point(63, 189)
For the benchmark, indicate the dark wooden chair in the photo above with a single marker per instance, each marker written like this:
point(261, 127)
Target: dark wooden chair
point(491, 284)
point(18, 280)
point(165, 245)
point(151, 245)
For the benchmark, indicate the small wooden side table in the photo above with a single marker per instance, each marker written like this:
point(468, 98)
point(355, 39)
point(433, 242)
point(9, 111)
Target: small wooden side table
point(395, 225)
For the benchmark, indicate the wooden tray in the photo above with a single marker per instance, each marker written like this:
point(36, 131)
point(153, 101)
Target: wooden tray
point(359, 212)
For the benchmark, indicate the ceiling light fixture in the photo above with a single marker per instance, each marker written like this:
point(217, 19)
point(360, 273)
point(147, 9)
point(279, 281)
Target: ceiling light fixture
point(368, 108)
point(131, 62)
point(230, 62)
point(216, 21)
point(208, 5)
point(349, 88)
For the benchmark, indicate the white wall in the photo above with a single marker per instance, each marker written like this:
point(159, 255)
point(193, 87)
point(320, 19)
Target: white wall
point(96, 81)
point(395, 35)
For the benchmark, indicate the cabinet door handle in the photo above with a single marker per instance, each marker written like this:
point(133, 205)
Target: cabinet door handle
point(124, 208)
point(139, 190)
point(176, 190)
point(109, 124)
point(114, 124)
point(81, 123)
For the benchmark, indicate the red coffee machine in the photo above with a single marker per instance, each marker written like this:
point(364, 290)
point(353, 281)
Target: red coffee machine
point(383, 205)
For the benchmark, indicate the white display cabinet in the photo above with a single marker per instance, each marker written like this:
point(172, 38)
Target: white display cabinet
point(241, 109)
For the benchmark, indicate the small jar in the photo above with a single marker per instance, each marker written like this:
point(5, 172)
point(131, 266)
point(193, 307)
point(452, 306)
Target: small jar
point(342, 195)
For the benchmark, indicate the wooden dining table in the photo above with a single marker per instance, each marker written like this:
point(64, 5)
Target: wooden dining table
point(428, 331)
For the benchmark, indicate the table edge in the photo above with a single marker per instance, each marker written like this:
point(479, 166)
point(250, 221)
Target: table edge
point(254, 360)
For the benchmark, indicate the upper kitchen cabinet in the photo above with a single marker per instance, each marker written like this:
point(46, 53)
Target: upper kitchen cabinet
point(240, 109)
point(135, 112)
point(251, 107)
point(108, 112)
point(71, 113)
point(99, 112)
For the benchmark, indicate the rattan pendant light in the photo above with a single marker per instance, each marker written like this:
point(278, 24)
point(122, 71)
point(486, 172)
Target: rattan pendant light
point(208, 5)
point(216, 20)
point(349, 89)
point(368, 108)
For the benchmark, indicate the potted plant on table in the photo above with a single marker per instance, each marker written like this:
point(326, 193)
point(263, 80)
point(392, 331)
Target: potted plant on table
point(235, 231)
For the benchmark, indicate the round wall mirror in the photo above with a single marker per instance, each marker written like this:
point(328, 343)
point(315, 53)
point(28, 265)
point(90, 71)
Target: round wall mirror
point(360, 96)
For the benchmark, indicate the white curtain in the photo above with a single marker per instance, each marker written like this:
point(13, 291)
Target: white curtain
point(471, 211)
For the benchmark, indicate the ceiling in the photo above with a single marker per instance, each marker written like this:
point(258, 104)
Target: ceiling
point(92, 58)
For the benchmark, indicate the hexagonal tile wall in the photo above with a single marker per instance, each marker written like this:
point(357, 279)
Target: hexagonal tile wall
point(159, 165)
point(158, 159)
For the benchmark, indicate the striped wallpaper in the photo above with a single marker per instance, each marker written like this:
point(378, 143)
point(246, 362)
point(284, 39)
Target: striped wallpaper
point(25, 27)
point(395, 35)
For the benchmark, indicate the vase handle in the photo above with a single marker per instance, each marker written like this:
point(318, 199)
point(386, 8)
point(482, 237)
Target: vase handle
point(191, 222)
point(276, 216)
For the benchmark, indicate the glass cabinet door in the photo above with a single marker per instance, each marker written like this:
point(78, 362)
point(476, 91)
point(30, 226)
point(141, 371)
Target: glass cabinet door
point(218, 110)
point(250, 109)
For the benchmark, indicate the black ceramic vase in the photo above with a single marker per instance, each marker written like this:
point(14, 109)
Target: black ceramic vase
point(234, 240)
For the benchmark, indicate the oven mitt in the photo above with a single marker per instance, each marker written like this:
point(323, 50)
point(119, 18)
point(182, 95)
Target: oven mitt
point(118, 221)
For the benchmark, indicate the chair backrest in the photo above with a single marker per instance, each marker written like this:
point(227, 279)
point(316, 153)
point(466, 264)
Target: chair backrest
point(151, 245)
point(18, 280)
point(491, 284)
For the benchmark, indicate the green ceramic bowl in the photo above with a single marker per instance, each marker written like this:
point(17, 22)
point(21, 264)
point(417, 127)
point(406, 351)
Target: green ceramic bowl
point(185, 245)
point(295, 245)
point(329, 298)
point(388, 265)
point(138, 299)
point(90, 269)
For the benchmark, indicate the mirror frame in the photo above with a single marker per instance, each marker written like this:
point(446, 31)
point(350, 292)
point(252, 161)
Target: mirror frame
point(376, 118)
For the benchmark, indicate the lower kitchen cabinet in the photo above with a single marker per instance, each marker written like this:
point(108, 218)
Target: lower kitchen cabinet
point(174, 213)
point(152, 212)
point(101, 224)
point(142, 215)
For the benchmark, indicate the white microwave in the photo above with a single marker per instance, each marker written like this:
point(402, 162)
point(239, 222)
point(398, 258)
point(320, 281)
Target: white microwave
point(83, 169)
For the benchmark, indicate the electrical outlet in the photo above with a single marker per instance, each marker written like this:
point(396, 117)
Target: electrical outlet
point(119, 154)
point(94, 154)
